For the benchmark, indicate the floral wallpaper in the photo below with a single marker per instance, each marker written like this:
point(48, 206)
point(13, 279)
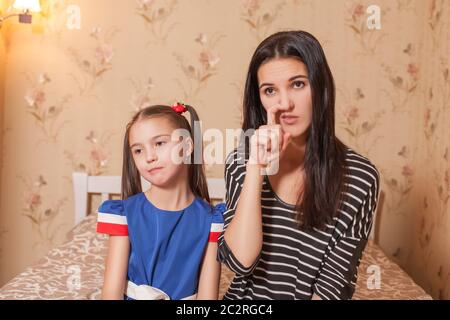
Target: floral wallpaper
point(70, 82)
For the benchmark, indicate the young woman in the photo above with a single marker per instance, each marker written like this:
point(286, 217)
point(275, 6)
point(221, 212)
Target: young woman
point(298, 233)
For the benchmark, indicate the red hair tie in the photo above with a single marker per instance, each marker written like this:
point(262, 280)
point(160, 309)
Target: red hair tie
point(178, 107)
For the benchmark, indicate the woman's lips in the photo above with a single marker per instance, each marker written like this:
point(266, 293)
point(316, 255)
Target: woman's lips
point(289, 120)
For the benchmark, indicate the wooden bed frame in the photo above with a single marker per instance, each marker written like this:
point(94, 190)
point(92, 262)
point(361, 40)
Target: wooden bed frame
point(109, 185)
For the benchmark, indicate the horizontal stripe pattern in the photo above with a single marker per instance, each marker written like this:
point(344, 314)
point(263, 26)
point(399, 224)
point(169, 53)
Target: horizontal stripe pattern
point(111, 218)
point(213, 236)
point(294, 264)
point(216, 227)
point(112, 229)
point(112, 224)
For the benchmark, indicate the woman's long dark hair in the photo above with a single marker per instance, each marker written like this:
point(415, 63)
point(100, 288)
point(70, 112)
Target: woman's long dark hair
point(324, 152)
point(131, 179)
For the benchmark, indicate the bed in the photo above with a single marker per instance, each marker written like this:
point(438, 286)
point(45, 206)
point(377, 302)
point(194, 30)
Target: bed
point(74, 270)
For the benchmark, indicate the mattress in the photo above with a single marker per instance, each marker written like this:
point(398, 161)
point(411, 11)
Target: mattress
point(74, 271)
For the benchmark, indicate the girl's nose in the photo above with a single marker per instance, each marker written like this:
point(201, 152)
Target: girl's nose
point(151, 156)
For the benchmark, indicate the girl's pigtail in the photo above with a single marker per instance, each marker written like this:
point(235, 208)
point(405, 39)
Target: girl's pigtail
point(198, 182)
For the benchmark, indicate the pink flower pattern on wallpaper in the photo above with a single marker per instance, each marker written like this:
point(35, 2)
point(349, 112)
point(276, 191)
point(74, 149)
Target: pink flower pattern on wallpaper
point(47, 115)
point(410, 86)
point(368, 40)
point(94, 67)
point(156, 17)
point(55, 14)
point(41, 214)
point(95, 160)
point(399, 188)
point(435, 127)
point(141, 97)
point(399, 180)
point(259, 20)
point(359, 128)
point(197, 75)
point(404, 85)
point(435, 20)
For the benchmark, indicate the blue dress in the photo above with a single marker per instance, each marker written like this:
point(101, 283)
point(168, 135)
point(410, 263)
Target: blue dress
point(166, 247)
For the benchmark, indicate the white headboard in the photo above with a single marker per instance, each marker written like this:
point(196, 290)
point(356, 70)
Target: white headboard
point(108, 185)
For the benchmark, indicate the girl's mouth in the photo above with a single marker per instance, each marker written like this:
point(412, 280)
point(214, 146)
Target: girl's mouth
point(154, 170)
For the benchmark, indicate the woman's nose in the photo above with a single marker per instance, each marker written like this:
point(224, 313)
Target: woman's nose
point(286, 102)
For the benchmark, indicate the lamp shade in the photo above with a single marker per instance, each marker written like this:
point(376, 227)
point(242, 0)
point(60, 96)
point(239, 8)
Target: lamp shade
point(30, 5)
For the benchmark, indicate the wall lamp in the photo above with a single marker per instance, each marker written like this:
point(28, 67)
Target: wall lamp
point(23, 10)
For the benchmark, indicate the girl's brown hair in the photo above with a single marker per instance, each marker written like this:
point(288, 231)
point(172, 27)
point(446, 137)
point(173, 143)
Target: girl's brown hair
point(131, 179)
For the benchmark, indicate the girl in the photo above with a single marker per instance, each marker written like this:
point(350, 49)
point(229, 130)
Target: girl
point(299, 233)
point(163, 242)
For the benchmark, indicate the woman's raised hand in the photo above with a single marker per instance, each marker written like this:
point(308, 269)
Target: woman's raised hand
point(268, 143)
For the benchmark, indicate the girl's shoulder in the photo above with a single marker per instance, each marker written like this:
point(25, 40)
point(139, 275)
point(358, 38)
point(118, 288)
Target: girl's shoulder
point(215, 210)
point(111, 218)
point(119, 206)
point(112, 207)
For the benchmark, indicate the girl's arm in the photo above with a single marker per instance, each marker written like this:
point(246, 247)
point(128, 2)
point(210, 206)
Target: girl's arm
point(208, 286)
point(116, 268)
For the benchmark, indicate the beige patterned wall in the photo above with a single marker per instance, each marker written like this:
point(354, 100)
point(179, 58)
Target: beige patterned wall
point(68, 94)
point(2, 90)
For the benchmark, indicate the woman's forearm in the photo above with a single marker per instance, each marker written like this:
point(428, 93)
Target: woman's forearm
point(244, 233)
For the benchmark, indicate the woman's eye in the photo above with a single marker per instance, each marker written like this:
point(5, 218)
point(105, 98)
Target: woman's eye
point(269, 91)
point(298, 84)
point(137, 151)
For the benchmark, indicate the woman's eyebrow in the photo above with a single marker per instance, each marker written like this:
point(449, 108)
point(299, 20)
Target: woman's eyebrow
point(298, 76)
point(290, 79)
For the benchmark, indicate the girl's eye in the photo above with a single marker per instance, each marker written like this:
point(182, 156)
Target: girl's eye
point(298, 84)
point(160, 143)
point(269, 91)
point(137, 151)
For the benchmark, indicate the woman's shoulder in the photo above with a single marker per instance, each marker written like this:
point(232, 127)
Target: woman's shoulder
point(237, 155)
point(360, 170)
point(235, 164)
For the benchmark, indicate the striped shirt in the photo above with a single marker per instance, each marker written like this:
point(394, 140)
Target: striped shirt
point(295, 264)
